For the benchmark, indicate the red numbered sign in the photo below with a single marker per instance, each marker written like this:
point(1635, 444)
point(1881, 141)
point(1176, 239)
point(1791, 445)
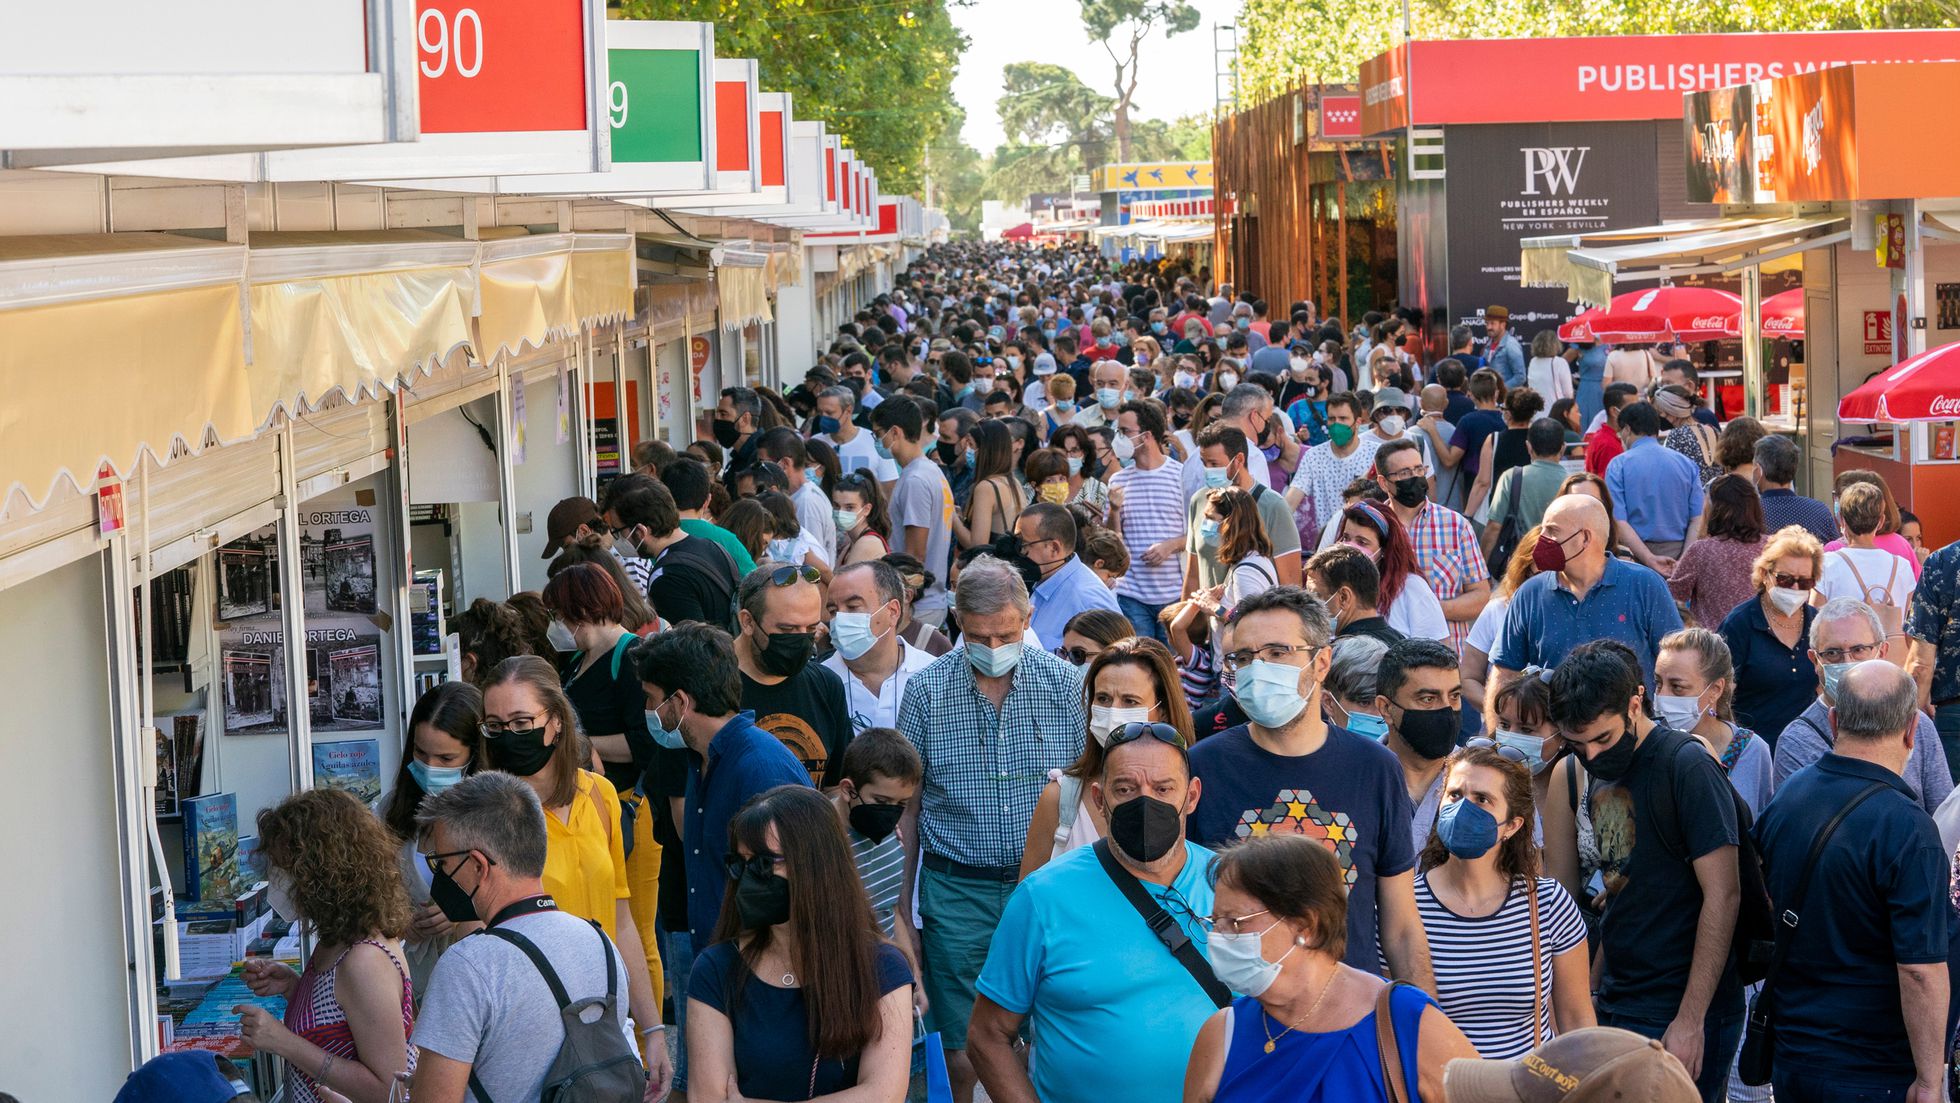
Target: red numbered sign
point(501, 65)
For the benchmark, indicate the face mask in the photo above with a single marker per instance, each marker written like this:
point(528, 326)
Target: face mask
point(433, 779)
point(1466, 828)
point(1227, 381)
point(1208, 532)
point(1241, 324)
point(1299, 368)
point(1216, 477)
point(1120, 340)
point(1411, 492)
point(457, 906)
point(1270, 693)
point(1055, 493)
point(1181, 419)
point(668, 738)
point(1548, 554)
point(1124, 451)
point(813, 475)
point(780, 550)
point(1613, 763)
point(761, 899)
point(726, 434)
point(1075, 465)
point(1679, 713)
point(1109, 397)
point(876, 821)
point(1158, 327)
point(560, 636)
point(1392, 425)
point(279, 896)
point(1368, 724)
point(828, 425)
point(1145, 828)
point(1013, 361)
point(993, 662)
point(1240, 961)
point(1185, 379)
point(851, 633)
point(1064, 406)
point(884, 453)
point(1430, 733)
point(983, 386)
point(1270, 451)
point(1340, 434)
point(519, 751)
point(1787, 599)
point(1532, 747)
point(1833, 674)
point(845, 519)
point(785, 653)
point(1104, 721)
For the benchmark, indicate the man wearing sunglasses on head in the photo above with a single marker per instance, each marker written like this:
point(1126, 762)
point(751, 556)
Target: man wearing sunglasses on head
point(780, 611)
point(1115, 1009)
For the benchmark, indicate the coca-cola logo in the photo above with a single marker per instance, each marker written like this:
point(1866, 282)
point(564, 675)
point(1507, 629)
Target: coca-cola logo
point(1944, 407)
point(1779, 325)
point(1708, 323)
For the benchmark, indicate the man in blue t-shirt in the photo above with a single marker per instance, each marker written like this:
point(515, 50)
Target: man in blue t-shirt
point(1288, 771)
point(1114, 1012)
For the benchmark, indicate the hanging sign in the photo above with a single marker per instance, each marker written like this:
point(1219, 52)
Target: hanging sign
point(108, 502)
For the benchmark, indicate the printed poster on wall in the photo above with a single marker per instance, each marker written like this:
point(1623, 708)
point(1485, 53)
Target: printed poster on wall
point(344, 626)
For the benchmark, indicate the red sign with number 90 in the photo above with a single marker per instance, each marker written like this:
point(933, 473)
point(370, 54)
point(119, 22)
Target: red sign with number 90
point(501, 65)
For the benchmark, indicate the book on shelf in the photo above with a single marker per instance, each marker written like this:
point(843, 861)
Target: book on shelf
point(350, 765)
point(211, 878)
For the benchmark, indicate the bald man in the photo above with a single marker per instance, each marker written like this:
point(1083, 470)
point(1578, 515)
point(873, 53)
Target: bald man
point(1451, 483)
point(1580, 593)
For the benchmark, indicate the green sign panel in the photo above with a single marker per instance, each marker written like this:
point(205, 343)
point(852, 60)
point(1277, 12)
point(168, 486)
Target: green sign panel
point(655, 104)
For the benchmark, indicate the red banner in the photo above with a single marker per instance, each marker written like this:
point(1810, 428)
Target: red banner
point(501, 65)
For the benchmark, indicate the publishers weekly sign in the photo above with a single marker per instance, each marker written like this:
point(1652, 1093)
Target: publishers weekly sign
point(1508, 183)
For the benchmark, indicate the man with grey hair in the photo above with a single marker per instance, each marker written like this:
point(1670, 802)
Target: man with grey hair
point(1350, 700)
point(990, 720)
point(1776, 468)
point(490, 1023)
point(1860, 1000)
point(1845, 633)
point(835, 426)
point(1248, 408)
point(1288, 771)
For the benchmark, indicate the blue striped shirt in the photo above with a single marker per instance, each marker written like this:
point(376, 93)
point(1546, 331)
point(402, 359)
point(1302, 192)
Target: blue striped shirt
point(985, 767)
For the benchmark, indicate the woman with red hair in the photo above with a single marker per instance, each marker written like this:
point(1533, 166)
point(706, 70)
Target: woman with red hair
point(1406, 599)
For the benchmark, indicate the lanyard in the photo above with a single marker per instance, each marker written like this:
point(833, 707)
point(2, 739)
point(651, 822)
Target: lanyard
point(527, 906)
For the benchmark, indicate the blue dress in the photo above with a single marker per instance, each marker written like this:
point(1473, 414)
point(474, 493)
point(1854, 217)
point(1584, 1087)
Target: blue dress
point(1342, 1066)
point(1591, 391)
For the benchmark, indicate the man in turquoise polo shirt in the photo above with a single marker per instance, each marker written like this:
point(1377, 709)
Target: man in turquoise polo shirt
point(1114, 1012)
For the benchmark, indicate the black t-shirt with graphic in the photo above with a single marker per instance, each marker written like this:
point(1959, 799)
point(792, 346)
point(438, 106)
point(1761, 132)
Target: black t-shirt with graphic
point(808, 713)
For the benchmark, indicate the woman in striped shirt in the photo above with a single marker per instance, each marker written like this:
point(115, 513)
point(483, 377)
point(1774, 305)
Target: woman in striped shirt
point(1508, 946)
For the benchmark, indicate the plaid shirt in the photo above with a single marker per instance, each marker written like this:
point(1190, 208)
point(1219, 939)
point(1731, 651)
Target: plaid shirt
point(985, 767)
point(1446, 549)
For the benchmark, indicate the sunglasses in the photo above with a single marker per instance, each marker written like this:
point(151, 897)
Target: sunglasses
point(788, 576)
point(1076, 655)
point(1508, 753)
point(1141, 729)
point(736, 865)
point(1794, 582)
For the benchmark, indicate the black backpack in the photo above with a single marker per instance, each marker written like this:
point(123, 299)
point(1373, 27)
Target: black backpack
point(1754, 943)
point(595, 1064)
point(1513, 528)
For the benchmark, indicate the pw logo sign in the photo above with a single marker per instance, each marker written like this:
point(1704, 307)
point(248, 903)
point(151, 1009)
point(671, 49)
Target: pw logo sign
point(1555, 169)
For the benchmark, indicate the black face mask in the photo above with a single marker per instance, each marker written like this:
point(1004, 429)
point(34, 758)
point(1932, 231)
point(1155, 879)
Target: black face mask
point(1430, 733)
point(1616, 761)
point(1145, 828)
point(1180, 419)
point(519, 751)
point(761, 899)
point(1009, 549)
point(1410, 492)
point(446, 894)
point(947, 453)
point(726, 434)
point(876, 821)
point(785, 653)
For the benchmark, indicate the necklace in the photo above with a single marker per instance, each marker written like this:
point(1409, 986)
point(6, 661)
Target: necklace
point(1265, 1021)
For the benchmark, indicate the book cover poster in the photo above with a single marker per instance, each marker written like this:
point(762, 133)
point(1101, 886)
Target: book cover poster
point(351, 765)
point(254, 691)
point(211, 878)
point(349, 582)
point(248, 576)
point(343, 679)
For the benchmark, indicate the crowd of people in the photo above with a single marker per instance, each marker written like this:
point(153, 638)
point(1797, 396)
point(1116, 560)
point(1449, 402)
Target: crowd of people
point(1159, 695)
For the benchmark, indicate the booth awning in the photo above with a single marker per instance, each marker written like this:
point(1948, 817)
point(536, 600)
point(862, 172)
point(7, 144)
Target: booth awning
point(352, 313)
point(113, 346)
point(525, 288)
point(744, 295)
point(1590, 264)
point(602, 278)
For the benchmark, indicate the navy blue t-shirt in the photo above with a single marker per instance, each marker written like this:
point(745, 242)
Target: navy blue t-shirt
point(1878, 900)
point(1349, 794)
point(771, 1025)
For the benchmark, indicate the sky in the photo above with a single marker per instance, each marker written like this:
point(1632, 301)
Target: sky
point(1177, 72)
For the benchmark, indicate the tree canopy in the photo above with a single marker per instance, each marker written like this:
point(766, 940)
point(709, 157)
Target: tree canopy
point(1120, 27)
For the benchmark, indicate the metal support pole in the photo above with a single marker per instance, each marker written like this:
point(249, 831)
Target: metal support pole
point(507, 479)
point(292, 618)
point(1340, 265)
point(1752, 341)
point(584, 423)
point(625, 425)
point(394, 484)
point(132, 814)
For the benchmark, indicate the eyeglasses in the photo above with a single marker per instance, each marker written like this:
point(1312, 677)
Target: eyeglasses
point(1140, 729)
point(492, 729)
point(1857, 654)
point(1509, 753)
point(1420, 471)
point(432, 859)
point(1076, 655)
point(1272, 653)
point(1793, 582)
point(1233, 924)
point(788, 576)
point(736, 865)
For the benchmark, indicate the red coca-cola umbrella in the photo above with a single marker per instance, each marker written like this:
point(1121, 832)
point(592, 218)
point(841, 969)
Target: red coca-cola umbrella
point(1019, 233)
point(1579, 330)
point(1782, 315)
point(1921, 388)
point(1668, 314)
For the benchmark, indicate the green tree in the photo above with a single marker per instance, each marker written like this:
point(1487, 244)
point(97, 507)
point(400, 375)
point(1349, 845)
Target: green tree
point(1287, 41)
point(879, 74)
point(957, 175)
point(1057, 127)
point(1121, 27)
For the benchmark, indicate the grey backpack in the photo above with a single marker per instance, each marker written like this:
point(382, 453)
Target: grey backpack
point(595, 1064)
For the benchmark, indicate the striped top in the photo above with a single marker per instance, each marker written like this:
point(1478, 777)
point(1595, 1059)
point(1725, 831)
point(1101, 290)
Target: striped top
point(1153, 511)
point(314, 1014)
point(881, 866)
point(1483, 965)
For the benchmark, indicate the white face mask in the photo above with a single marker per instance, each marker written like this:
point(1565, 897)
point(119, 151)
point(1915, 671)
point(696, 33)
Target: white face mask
point(1240, 961)
point(1679, 713)
point(1226, 381)
point(279, 895)
point(1392, 425)
point(1788, 599)
point(560, 636)
point(1185, 379)
point(1104, 721)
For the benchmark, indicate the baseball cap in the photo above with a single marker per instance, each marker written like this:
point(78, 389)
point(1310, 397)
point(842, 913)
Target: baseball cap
point(191, 1076)
point(1498, 313)
point(1392, 396)
point(1586, 1066)
point(564, 520)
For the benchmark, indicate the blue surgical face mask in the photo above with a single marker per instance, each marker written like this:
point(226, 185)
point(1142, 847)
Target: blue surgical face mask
point(845, 519)
point(669, 739)
point(1365, 724)
point(1075, 465)
point(1208, 532)
point(851, 633)
point(1157, 327)
point(1109, 397)
point(433, 779)
point(1532, 747)
point(813, 474)
point(1270, 693)
point(993, 662)
point(1216, 477)
point(970, 455)
point(780, 550)
point(1833, 674)
point(828, 425)
point(1466, 828)
point(884, 453)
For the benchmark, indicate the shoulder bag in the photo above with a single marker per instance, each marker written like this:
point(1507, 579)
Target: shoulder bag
point(1393, 1076)
point(1164, 927)
point(1759, 1035)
